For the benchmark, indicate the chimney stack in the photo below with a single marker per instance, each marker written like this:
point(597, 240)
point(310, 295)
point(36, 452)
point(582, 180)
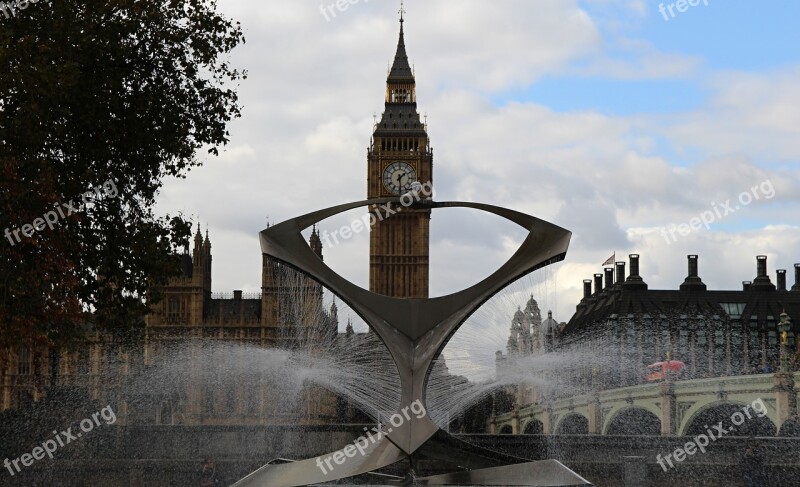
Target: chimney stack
point(598, 283)
point(762, 280)
point(796, 286)
point(620, 272)
point(746, 285)
point(762, 265)
point(781, 279)
point(693, 281)
point(634, 266)
point(635, 281)
point(693, 266)
point(237, 295)
point(609, 276)
point(587, 288)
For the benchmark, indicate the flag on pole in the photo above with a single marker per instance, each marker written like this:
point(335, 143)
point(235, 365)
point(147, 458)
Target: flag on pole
point(611, 259)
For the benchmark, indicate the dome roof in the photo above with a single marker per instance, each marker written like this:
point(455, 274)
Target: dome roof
point(549, 324)
point(532, 306)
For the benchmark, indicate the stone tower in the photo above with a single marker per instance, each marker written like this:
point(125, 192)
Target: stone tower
point(399, 156)
point(291, 302)
point(185, 296)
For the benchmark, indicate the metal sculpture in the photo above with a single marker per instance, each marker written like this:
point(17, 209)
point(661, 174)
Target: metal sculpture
point(413, 330)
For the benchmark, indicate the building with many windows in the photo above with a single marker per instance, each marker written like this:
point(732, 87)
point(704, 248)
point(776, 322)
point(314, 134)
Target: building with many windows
point(179, 347)
point(621, 327)
point(715, 333)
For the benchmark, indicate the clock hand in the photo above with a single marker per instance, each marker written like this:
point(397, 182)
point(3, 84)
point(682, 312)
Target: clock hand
point(409, 182)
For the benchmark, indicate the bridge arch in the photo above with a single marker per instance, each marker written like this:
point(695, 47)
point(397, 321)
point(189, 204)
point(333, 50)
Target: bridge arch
point(573, 424)
point(790, 428)
point(506, 429)
point(533, 427)
point(738, 419)
point(633, 421)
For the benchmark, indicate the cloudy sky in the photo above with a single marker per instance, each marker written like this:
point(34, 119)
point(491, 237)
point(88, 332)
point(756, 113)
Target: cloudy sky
point(607, 117)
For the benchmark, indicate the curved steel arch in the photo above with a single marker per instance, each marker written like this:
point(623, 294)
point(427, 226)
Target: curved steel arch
point(413, 330)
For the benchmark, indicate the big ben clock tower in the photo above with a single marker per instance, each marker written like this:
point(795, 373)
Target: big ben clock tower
point(399, 156)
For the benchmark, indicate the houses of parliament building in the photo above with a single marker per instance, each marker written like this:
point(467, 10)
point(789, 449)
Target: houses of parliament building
point(181, 337)
point(192, 335)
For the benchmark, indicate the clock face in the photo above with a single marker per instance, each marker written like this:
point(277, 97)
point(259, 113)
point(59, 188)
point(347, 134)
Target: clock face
point(399, 177)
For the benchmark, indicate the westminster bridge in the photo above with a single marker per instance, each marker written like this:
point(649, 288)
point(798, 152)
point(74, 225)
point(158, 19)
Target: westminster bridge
point(679, 408)
point(604, 437)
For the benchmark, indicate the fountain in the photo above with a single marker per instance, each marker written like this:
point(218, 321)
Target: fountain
point(415, 331)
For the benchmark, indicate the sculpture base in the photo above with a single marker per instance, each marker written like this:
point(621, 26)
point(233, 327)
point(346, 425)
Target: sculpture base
point(543, 473)
point(550, 473)
point(442, 460)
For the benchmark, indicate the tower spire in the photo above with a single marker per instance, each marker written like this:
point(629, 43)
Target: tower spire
point(401, 71)
point(315, 242)
point(198, 237)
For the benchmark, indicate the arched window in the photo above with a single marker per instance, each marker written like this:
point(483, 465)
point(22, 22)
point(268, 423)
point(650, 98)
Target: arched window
point(24, 362)
point(165, 413)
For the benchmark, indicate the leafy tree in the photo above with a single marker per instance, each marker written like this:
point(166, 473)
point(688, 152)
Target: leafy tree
point(109, 97)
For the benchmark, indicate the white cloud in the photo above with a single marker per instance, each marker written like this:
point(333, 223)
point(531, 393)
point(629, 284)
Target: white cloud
point(749, 113)
point(642, 61)
point(314, 86)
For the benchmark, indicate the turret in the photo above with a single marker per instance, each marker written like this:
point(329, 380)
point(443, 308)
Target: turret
point(315, 243)
point(201, 262)
point(207, 264)
point(349, 330)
